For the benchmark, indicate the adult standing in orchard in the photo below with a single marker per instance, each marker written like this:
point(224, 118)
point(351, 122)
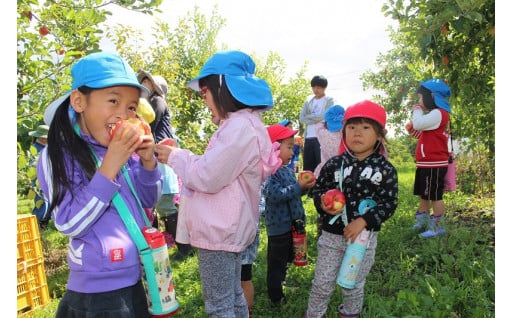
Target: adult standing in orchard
point(158, 87)
point(161, 128)
point(312, 113)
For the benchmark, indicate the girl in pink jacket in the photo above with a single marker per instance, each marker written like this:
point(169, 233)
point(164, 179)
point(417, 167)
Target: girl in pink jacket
point(221, 188)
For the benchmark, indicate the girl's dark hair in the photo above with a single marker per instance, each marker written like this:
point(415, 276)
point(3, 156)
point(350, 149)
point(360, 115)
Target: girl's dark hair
point(428, 99)
point(224, 101)
point(63, 142)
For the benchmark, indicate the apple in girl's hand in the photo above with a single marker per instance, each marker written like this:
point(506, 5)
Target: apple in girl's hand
point(334, 199)
point(140, 125)
point(306, 176)
point(411, 131)
point(408, 127)
point(169, 142)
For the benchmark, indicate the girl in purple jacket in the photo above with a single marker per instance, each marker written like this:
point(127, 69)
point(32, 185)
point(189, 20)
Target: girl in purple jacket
point(84, 165)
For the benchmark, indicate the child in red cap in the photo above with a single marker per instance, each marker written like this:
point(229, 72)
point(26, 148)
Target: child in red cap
point(370, 185)
point(283, 208)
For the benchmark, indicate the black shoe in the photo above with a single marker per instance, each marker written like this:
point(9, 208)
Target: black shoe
point(182, 255)
point(279, 303)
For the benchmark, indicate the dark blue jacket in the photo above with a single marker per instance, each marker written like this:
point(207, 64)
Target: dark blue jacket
point(283, 201)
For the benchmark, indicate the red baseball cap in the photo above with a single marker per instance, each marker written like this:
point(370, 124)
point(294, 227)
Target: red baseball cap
point(278, 132)
point(366, 109)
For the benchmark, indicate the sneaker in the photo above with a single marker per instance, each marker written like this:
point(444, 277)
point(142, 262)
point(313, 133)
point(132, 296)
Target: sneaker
point(340, 309)
point(280, 302)
point(422, 221)
point(435, 228)
point(183, 254)
point(434, 232)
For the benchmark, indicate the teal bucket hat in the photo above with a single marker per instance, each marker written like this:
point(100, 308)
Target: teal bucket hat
point(41, 131)
point(441, 93)
point(97, 70)
point(334, 118)
point(238, 69)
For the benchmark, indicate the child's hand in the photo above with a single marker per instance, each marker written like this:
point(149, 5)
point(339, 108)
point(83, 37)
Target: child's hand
point(306, 179)
point(146, 152)
point(164, 149)
point(418, 107)
point(125, 140)
point(298, 141)
point(352, 230)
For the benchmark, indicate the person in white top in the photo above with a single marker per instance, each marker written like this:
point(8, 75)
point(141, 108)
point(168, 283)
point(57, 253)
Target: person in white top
point(312, 113)
point(329, 133)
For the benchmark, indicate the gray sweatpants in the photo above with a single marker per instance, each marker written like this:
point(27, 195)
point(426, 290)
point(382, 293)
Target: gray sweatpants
point(220, 281)
point(331, 248)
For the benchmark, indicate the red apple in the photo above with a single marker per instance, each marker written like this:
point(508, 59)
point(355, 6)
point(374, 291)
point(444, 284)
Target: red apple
point(411, 131)
point(408, 127)
point(142, 126)
point(306, 176)
point(334, 199)
point(44, 31)
point(169, 142)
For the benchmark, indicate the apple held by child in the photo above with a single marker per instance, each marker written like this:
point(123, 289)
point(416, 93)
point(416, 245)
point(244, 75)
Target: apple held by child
point(306, 176)
point(169, 142)
point(334, 199)
point(411, 131)
point(142, 127)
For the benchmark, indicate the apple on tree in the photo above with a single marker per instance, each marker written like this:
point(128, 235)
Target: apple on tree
point(140, 125)
point(306, 176)
point(44, 30)
point(334, 199)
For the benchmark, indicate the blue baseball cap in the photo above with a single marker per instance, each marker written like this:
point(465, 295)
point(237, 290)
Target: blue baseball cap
point(334, 118)
point(238, 69)
point(97, 70)
point(284, 122)
point(441, 93)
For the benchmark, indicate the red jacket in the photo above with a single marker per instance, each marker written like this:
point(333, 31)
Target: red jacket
point(432, 147)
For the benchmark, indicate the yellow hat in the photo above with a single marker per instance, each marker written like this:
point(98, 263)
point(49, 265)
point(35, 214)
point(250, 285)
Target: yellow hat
point(145, 111)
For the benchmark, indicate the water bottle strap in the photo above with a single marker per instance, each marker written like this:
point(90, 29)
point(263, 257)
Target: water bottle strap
point(343, 213)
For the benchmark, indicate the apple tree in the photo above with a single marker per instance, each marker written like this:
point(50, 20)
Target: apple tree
point(447, 39)
point(178, 54)
point(52, 35)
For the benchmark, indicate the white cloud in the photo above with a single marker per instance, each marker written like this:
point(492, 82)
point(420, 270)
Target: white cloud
point(340, 39)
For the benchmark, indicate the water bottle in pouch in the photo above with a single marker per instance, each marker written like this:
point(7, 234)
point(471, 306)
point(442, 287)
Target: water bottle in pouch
point(352, 260)
point(157, 275)
point(300, 247)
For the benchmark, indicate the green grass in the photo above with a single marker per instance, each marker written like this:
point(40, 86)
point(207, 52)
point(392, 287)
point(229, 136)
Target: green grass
point(448, 276)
